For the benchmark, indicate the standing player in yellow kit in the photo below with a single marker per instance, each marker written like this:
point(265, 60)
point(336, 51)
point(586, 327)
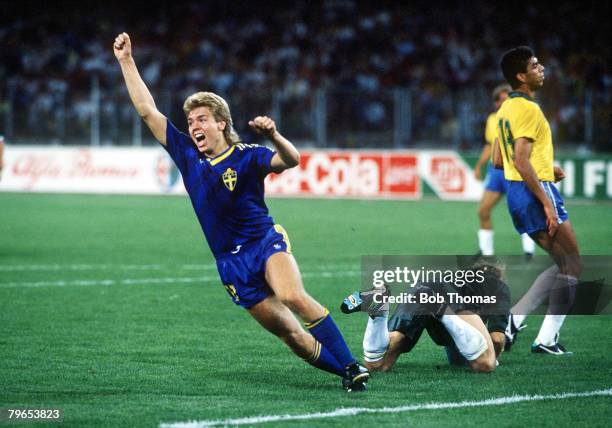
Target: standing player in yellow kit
point(536, 208)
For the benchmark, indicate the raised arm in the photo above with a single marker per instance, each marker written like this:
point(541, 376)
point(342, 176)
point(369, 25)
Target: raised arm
point(286, 155)
point(522, 151)
point(139, 93)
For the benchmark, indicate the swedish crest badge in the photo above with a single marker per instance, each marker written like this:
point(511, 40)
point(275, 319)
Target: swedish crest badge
point(230, 177)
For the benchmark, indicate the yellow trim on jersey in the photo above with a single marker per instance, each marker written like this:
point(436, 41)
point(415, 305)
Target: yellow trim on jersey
point(521, 117)
point(315, 323)
point(221, 157)
point(280, 229)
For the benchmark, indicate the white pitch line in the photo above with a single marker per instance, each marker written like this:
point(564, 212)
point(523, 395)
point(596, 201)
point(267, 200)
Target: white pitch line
point(106, 266)
point(86, 267)
point(351, 411)
point(172, 280)
point(97, 282)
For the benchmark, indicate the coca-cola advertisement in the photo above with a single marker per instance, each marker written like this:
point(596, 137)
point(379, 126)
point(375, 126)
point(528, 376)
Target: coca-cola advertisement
point(327, 174)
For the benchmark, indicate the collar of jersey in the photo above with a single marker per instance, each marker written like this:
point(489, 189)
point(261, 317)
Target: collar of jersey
point(219, 158)
point(517, 94)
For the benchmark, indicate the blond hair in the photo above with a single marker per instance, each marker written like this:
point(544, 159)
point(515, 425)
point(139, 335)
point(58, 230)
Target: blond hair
point(497, 91)
point(218, 108)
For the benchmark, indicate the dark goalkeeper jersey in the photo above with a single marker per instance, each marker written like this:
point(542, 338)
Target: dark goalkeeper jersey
point(227, 192)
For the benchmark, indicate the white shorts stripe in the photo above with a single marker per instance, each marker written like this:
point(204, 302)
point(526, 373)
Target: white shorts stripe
point(546, 186)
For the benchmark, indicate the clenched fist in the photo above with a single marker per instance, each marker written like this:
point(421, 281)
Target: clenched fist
point(263, 125)
point(122, 47)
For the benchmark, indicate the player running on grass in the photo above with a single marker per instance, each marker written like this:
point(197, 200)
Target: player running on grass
point(496, 185)
point(225, 182)
point(526, 152)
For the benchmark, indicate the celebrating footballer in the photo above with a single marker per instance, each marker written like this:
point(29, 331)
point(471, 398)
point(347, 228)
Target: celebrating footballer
point(225, 182)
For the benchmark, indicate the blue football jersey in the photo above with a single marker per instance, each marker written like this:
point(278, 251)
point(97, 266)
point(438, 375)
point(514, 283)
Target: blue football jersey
point(227, 192)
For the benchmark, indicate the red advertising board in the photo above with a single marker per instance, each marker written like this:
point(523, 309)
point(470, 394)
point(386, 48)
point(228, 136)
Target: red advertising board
point(449, 174)
point(353, 174)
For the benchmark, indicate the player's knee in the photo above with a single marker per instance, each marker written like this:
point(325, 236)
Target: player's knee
point(294, 299)
point(485, 363)
point(293, 338)
point(485, 366)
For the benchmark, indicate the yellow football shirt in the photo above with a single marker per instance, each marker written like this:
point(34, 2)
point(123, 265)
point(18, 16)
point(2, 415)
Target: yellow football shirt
point(491, 128)
point(521, 117)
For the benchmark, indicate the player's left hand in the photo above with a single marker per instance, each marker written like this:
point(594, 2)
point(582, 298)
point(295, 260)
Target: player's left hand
point(552, 221)
point(263, 125)
point(559, 173)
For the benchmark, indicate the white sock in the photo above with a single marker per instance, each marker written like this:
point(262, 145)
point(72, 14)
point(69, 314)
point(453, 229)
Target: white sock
point(485, 241)
point(528, 244)
point(375, 339)
point(537, 293)
point(549, 330)
point(468, 339)
point(518, 319)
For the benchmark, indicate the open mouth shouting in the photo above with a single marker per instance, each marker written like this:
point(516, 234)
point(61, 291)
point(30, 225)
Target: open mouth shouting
point(199, 137)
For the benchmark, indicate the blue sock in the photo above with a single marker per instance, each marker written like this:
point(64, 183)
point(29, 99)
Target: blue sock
point(326, 332)
point(322, 359)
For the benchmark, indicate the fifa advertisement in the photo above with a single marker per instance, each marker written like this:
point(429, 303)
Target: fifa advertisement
point(327, 174)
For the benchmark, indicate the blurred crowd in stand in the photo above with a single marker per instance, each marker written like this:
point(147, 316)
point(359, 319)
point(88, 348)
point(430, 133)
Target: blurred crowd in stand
point(260, 53)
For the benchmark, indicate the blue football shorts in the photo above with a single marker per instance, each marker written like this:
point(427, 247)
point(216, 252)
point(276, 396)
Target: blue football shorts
point(495, 180)
point(243, 271)
point(526, 210)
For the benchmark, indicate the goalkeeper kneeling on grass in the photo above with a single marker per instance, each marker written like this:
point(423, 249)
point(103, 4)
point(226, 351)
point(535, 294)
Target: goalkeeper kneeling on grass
point(472, 334)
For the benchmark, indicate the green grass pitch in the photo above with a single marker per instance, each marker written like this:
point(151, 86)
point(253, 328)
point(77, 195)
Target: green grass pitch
point(110, 309)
